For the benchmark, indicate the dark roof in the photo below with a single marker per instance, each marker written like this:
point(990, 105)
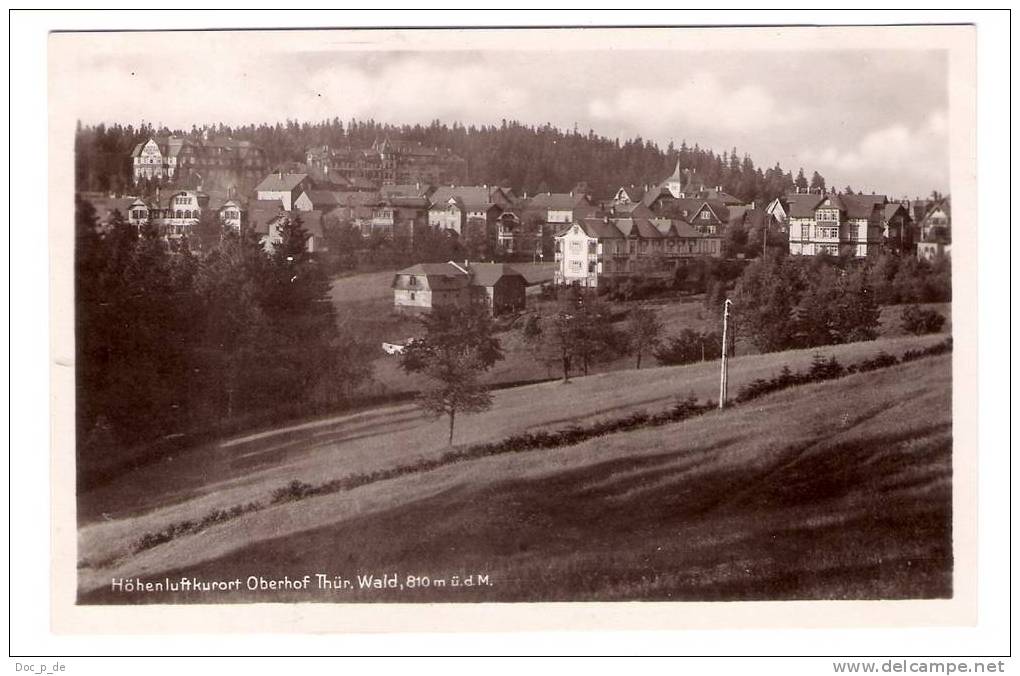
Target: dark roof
point(357, 199)
point(406, 190)
point(802, 205)
point(280, 183)
point(600, 228)
point(262, 212)
point(488, 274)
point(323, 199)
point(473, 197)
point(861, 206)
point(408, 202)
point(556, 200)
point(654, 194)
point(634, 192)
point(686, 230)
point(632, 209)
point(892, 207)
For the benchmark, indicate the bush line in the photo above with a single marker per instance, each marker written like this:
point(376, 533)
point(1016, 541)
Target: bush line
point(821, 369)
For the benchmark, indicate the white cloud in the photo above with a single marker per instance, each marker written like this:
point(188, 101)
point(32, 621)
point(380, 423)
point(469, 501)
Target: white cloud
point(881, 158)
point(701, 101)
point(415, 90)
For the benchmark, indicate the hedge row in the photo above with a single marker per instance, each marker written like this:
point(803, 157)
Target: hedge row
point(822, 369)
point(175, 530)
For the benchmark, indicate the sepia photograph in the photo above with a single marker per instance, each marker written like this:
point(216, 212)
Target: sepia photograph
point(516, 316)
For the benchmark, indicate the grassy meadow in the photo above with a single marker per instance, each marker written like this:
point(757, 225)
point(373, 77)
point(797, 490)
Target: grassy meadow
point(832, 490)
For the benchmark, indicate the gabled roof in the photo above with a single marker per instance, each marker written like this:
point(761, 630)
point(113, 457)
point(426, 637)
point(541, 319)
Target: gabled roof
point(861, 206)
point(323, 200)
point(452, 275)
point(262, 212)
point(488, 274)
point(934, 206)
point(632, 209)
point(802, 205)
point(473, 197)
point(357, 199)
point(407, 190)
point(722, 196)
point(634, 192)
point(654, 194)
point(280, 182)
point(556, 200)
point(687, 231)
point(892, 207)
point(408, 202)
point(599, 228)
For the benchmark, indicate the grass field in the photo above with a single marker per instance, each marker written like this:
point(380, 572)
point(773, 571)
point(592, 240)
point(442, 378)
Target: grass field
point(826, 491)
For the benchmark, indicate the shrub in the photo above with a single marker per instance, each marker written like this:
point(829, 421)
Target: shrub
point(920, 321)
point(295, 490)
point(880, 361)
point(689, 347)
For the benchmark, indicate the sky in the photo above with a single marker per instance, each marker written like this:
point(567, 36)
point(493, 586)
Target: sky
point(876, 120)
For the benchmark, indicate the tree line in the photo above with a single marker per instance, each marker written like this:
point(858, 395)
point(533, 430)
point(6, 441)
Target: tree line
point(173, 341)
point(529, 158)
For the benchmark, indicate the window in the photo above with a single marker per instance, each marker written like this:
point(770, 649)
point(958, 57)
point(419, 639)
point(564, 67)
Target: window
point(575, 247)
point(412, 280)
point(705, 215)
point(412, 293)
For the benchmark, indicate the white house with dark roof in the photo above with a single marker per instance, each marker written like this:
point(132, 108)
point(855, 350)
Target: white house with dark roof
point(270, 229)
point(836, 224)
point(425, 286)
point(593, 249)
point(286, 188)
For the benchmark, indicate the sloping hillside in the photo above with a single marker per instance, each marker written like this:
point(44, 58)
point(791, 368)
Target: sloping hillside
point(835, 490)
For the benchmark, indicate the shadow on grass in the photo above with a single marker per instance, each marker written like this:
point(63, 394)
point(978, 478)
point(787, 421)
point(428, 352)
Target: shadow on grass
point(864, 518)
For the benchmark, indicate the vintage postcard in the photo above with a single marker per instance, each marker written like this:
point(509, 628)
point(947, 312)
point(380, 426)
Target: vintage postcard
point(469, 329)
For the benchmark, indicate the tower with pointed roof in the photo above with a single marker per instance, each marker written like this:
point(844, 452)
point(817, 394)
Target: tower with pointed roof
point(675, 183)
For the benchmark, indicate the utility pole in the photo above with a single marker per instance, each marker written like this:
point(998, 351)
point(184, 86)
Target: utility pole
point(722, 373)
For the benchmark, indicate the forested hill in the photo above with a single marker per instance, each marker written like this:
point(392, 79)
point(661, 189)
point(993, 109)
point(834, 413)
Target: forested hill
point(527, 158)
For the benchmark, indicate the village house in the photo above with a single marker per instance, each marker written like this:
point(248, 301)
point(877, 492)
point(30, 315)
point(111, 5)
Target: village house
point(595, 248)
point(388, 162)
point(935, 230)
point(425, 286)
point(356, 209)
point(836, 224)
point(897, 228)
point(399, 216)
point(453, 207)
point(270, 229)
point(284, 187)
point(936, 223)
point(207, 161)
point(181, 209)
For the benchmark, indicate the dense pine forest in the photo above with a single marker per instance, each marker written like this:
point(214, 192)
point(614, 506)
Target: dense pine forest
point(527, 158)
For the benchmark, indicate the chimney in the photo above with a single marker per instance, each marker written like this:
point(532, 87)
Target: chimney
point(279, 173)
